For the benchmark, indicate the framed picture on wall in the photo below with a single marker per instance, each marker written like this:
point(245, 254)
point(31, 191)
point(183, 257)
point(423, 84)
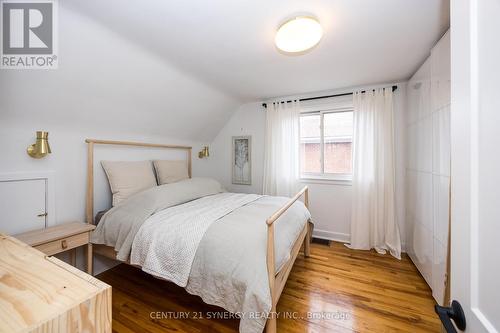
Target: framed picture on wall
point(242, 160)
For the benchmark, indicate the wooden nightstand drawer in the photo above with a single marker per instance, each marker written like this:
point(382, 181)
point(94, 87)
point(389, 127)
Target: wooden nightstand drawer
point(61, 238)
point(63, 244)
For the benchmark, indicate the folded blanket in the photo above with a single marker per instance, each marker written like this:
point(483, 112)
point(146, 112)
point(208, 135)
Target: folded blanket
point(166, 244)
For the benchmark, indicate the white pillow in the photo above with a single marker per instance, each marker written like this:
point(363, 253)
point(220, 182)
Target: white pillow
point(170, 171)
point(128, 178)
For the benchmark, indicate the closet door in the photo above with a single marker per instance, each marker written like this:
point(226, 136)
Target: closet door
point(428, 167)
point(23, 205)
point(419, 242)
point(440, 97)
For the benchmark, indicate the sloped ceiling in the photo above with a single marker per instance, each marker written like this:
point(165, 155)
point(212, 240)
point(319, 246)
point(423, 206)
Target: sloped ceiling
point(110, 85)
point(180, 68)
point(229, 44)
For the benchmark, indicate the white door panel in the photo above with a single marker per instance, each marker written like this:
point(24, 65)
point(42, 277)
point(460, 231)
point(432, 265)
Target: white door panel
point(21, 201)
point(439, 270)
point(422, 247)
point(488, 168)
point(475, 173)
point(428, 161)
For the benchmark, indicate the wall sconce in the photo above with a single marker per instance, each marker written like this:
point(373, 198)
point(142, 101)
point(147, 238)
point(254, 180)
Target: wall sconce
point(204, 152)
point(41, 147)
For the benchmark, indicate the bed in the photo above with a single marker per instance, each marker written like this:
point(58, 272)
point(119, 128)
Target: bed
point(233, 250)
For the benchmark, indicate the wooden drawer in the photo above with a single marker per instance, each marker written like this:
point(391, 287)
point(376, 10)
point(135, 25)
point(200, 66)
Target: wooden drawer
point(67, 243)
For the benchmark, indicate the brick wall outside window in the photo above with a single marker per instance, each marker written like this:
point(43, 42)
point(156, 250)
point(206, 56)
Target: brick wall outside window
point(334, 129)
point(338, 157)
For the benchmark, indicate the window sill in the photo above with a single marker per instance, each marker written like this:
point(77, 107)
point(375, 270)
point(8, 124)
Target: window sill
point(326, 180)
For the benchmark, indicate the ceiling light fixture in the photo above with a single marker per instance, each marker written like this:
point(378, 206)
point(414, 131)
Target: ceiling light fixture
point(298, 34)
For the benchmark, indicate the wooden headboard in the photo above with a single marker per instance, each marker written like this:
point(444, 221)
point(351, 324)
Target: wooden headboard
point(90, 165)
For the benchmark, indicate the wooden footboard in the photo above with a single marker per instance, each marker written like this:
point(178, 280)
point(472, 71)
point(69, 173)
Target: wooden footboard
point(277, 281)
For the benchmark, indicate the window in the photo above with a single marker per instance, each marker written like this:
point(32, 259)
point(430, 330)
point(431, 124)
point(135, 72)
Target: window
point(326, 144)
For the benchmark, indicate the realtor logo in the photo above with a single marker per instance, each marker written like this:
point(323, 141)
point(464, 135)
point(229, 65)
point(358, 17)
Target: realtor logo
point(28, 34)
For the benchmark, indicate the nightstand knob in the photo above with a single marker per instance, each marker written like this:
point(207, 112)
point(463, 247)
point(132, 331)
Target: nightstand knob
point(64, 244)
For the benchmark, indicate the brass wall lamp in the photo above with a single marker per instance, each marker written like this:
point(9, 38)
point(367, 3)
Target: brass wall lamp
point(204, 152)
point(41, 147)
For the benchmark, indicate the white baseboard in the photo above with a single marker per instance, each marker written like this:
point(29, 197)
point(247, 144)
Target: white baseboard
point(334, 236)
point(340, 237)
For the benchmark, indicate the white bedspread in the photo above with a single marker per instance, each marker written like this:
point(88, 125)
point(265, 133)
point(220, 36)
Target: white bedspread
point(213, 243)
point(165, 245)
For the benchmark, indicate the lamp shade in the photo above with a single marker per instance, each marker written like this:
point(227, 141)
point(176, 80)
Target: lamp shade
point(204, 152)
point(41, 147)
point(298, 34)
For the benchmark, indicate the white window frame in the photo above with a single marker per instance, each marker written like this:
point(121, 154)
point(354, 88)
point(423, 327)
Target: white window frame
point(322, 176)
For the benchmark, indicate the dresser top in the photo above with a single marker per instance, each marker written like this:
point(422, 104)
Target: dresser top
point(35, 288)
point(60, 231)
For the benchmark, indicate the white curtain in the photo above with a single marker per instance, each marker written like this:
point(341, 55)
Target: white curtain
point(281, 160)
point(373, 221)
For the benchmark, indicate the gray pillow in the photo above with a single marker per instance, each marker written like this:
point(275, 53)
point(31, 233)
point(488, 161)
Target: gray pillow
point(128, 178)
point(170, 171)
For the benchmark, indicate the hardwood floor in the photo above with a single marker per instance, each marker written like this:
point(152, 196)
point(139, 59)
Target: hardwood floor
point(344, 290)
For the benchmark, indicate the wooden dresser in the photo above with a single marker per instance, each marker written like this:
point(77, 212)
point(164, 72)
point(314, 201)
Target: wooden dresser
point(43, 294)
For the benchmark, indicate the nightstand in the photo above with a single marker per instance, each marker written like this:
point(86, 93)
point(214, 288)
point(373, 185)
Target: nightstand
point(61, 238)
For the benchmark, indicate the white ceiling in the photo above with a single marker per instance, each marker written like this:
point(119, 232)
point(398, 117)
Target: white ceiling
point(110, 87)
point(228, 44)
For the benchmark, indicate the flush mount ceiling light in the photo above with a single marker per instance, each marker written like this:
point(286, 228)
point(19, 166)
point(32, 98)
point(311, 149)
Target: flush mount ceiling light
point(298, 34)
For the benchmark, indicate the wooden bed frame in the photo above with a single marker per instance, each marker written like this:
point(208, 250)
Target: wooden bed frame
point(276, 281)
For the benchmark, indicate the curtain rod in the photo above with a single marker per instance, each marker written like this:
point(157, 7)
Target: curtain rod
point(328, 96)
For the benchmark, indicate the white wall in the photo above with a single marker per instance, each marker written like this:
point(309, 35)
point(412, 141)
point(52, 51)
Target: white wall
point(330, 201)
point(330, 206)
point(248, 119)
